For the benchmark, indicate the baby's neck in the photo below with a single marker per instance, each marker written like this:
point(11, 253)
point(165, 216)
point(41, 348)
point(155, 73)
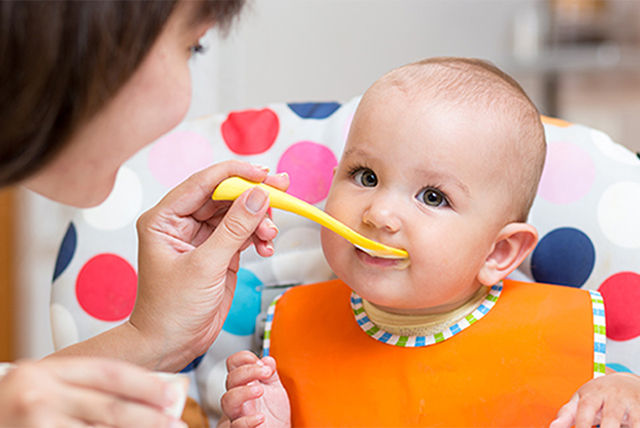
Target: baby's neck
point(423, 325)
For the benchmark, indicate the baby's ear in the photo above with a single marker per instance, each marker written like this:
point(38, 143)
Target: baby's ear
point(514, 242)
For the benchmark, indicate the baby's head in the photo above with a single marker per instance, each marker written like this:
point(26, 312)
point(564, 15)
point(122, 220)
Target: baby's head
point(443, 159)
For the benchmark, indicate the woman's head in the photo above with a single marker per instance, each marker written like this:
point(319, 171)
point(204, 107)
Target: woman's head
point(86, 84)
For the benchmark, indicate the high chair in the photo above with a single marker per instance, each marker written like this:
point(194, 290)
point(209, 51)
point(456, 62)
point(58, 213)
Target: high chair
point(586, 212)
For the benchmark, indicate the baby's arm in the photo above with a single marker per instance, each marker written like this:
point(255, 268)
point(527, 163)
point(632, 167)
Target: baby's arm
point(610, 401)
point(255, 396)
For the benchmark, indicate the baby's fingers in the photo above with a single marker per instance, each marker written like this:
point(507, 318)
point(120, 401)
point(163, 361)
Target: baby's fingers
point(234, 399)
point(566, 414)
point(613, 414)
point(632, 418)
point(248, 373)
point(248, 421)
point(589, 411)
point(241, 358)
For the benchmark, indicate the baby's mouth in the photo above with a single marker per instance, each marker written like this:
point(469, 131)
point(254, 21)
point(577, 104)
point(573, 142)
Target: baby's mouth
point(381, 262)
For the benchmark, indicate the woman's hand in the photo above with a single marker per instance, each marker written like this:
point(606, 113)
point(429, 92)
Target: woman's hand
point(188, 259)
point(78, 392)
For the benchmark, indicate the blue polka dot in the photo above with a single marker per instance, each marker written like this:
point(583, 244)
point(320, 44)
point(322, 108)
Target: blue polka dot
point(564, 256)
point(66, 251)
point(619, 368)
point(192, 365)
point(245, 307)
point(314, 110)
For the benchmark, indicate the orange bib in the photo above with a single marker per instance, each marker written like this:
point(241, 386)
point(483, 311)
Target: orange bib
point(532, 349)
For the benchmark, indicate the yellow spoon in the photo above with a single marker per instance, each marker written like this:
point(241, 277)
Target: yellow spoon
point(233, 187)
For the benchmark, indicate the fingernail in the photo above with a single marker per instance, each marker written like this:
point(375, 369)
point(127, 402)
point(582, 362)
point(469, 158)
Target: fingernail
point(262, 167)
point(282, 174)
point(272, 225)
point(256, 199)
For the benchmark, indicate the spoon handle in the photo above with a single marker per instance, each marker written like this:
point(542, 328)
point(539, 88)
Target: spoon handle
point(233, 187)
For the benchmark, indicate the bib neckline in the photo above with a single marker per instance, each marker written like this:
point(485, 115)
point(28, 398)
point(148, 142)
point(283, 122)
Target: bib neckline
point(384, 336)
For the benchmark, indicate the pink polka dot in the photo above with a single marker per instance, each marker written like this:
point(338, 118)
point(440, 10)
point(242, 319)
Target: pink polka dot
point(568, 173)
point(621, 294)
point(310, 168)
point(250, 132)
point(106, 287)
point(175, 157)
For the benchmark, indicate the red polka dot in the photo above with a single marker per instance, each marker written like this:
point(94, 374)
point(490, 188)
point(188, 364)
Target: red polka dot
point(621, 294)
point(250, 132)
point(310, 168)
point(106, 287)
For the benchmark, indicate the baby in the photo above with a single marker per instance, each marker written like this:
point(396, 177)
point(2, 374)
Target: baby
point(443, 160)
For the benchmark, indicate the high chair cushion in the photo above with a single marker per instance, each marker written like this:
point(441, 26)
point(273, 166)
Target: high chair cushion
point(585, 211)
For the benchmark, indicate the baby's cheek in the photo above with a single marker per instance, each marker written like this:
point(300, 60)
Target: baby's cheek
point(333, 248)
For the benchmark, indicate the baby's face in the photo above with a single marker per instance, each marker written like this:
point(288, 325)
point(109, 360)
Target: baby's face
point(424, 177)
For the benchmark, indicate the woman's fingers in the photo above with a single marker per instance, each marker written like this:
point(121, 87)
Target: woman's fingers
point(192, 194)
point(279, 181)
point(238, 225)
point(79, 392)
point(211, 213)
point(267, 230)
point(95, 407)
point(115, 377)
point(215, 209)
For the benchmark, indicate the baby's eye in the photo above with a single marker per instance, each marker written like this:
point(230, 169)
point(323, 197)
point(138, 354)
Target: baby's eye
point(432, 197)
point(366, 177)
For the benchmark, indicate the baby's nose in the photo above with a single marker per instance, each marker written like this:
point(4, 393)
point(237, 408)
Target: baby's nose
point(382, 214)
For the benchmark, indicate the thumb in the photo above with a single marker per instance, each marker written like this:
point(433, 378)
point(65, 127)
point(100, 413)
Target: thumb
point(271, 363)
point(236, 227)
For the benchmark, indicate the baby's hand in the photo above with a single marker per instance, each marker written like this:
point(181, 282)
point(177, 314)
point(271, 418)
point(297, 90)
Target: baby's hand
point(255, 396)
point(609, 401)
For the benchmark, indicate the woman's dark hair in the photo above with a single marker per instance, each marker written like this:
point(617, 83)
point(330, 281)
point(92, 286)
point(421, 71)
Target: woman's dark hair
point(61, 61)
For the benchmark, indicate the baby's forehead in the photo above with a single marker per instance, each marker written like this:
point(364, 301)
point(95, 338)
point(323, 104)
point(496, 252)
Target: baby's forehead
point(480, 141)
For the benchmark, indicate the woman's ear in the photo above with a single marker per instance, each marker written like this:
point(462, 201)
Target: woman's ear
point(514, 242)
